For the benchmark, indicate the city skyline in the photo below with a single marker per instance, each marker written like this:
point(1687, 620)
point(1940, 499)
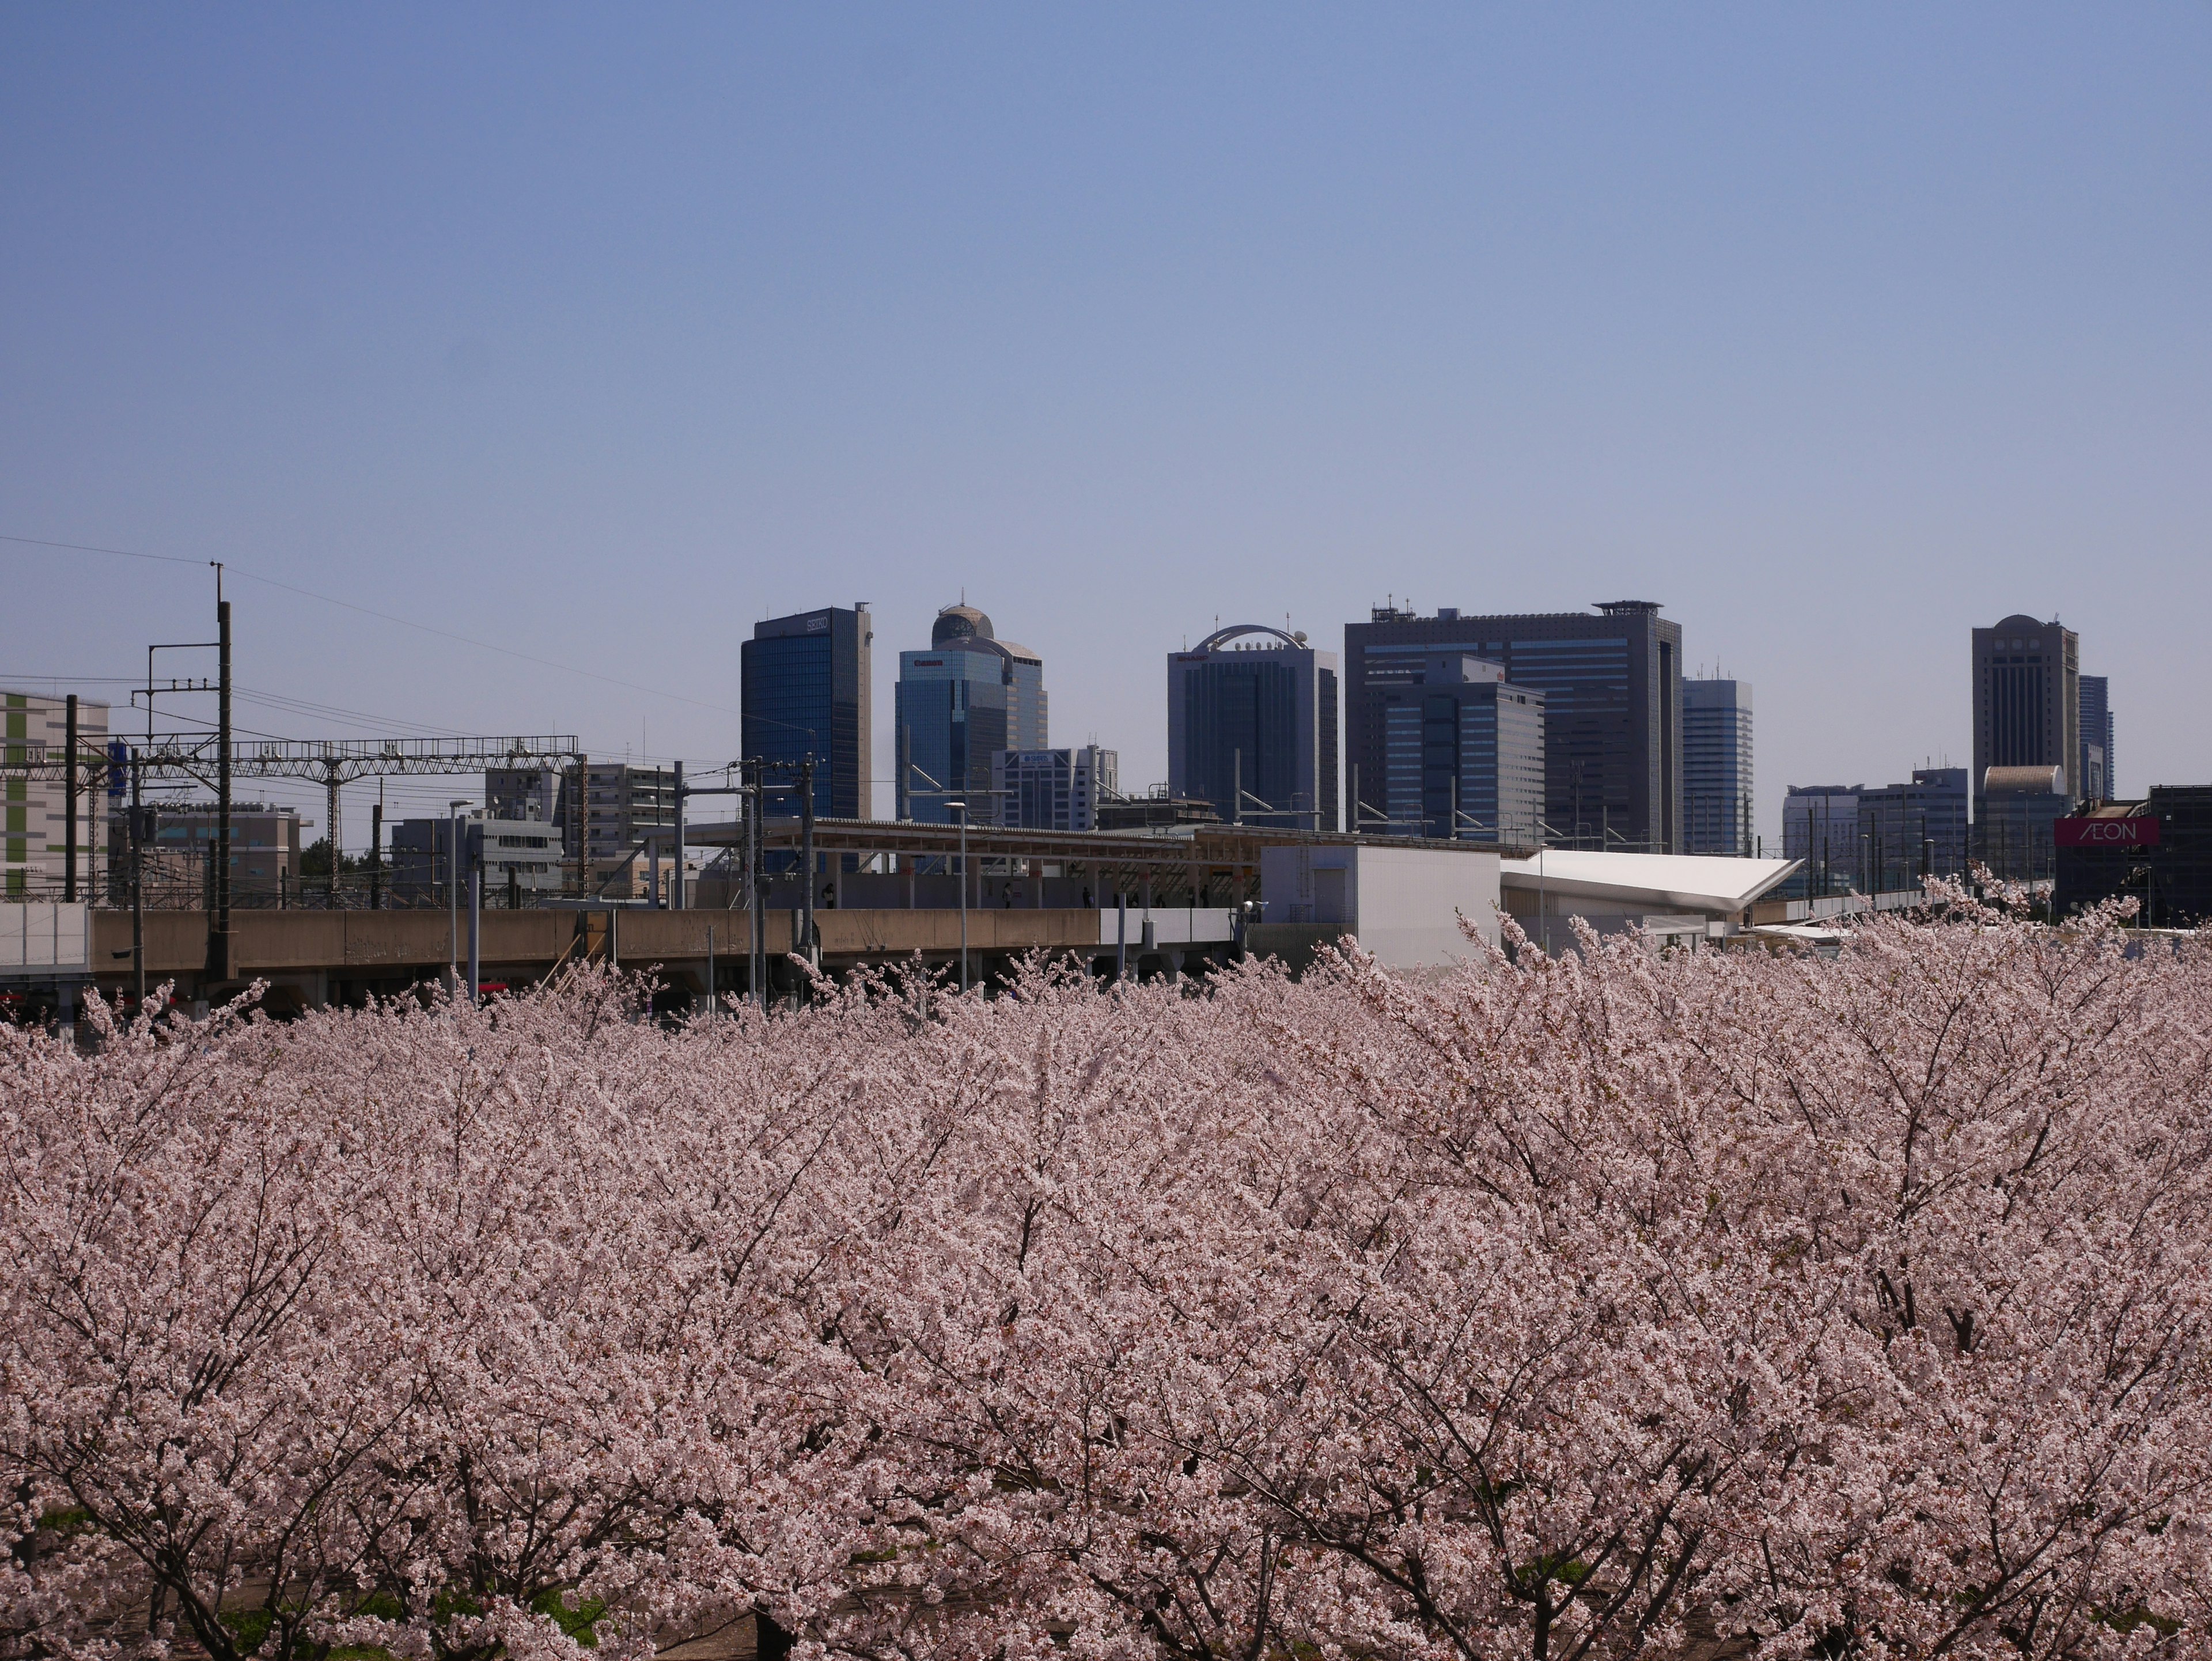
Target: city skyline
point(601, 343)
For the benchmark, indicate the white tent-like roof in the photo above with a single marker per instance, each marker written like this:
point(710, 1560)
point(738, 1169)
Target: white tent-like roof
point(1631, 882)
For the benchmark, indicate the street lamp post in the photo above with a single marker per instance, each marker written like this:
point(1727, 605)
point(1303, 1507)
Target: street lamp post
point(961, 808)
point(454, 893)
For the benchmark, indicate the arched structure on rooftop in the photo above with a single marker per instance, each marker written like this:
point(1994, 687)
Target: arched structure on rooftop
point(1221, 637)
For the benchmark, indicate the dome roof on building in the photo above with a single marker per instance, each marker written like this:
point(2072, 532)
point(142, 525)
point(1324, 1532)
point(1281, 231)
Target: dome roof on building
point(960, 623)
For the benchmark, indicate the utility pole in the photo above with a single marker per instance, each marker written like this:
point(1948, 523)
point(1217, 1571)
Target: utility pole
point(676, 876)
point(475, 905)
point(453, 894)
point(330, 833)
point(68, 794)
point(137, 886)
point(376, 851)
point(223, 964)
point(961, 807)
point(806, 862)
point(1237, 786)
point(756, 884)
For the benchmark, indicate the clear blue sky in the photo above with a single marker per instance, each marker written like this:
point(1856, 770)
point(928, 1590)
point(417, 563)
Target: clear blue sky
point(601, 333)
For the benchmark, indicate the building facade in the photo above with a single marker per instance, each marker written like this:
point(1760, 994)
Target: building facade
point(621, 804)
point(2028, 701)
point(1054, 789)
point(2013, 820)
point(265, 854)
point(518, 857)
point(1611, 682)
point(1462, 755)
point(543, 796)
point(970, 696)
point(2164, 865)
point(1717, 783)
point(807, 691)
point(1253, 708)
point(33, 822)
point(2097, 750)
point(1909, 832)
point(1820, 826)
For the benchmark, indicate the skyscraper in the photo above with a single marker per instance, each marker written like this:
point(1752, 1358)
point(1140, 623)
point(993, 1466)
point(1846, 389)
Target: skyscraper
point(1252, 708)
point(2028, 701)
point(805, 689)
point(2102, 784)
point(1613, 715)
point(1463, 754)
point(1716, 767)
point(1054, 789)
point(970, 696)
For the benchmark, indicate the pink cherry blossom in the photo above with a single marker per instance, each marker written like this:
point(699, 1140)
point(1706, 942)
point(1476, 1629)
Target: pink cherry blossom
point(1604, 1305)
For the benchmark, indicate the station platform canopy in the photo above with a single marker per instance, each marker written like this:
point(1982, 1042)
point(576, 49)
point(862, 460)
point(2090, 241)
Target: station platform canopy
point(1715, 885)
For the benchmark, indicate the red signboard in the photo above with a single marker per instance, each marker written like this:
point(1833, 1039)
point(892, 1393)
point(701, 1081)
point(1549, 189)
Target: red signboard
point(2138, 832)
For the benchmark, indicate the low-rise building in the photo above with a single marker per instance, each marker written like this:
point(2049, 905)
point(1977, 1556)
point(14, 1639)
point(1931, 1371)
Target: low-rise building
point(2020, 804)
point(265, 854)
point(544, 795)
point(33, 822)
point(1908, 832)
point(1154, 811)
point(2157, 851)
point(1820, 830)
point(520, 858)
point(621, 804)
point(1404, 904)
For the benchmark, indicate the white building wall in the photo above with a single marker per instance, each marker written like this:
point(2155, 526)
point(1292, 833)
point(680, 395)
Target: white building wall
point(1404, 904)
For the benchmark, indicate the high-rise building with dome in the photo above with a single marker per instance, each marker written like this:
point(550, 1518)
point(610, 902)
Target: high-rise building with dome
point(2027, 703)
point(968, 696)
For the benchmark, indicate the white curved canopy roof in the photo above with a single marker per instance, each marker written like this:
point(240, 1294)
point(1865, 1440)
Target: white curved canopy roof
point(1683, 882)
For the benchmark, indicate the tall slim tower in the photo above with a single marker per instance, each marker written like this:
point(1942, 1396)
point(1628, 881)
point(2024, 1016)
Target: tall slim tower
point(805, 690)
point(2099, 777)
point(2027, 701)
point(1252, 708)
point(1716, 799)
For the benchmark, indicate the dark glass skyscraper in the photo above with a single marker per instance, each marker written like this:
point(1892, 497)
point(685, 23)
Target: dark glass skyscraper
point(1463, 755)
point(1255, 709)
point(1613, 717)
point(805, 689)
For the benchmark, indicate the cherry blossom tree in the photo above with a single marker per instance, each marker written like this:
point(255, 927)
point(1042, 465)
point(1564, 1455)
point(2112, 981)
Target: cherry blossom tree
point(1614, 1303)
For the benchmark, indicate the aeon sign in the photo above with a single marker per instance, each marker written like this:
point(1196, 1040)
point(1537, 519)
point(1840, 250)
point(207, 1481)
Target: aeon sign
point(2141, 832)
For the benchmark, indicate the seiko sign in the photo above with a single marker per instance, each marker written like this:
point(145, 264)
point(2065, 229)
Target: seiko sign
point(2141, 832)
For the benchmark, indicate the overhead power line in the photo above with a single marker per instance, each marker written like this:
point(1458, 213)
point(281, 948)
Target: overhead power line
point(386, 616)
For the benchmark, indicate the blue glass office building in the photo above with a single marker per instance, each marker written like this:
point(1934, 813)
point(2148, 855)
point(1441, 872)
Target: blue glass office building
point(1716, 781)
point(968, 696)
point(1463, 755)
point(1253, 708)
point(805, 690)
point(1611, 682)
